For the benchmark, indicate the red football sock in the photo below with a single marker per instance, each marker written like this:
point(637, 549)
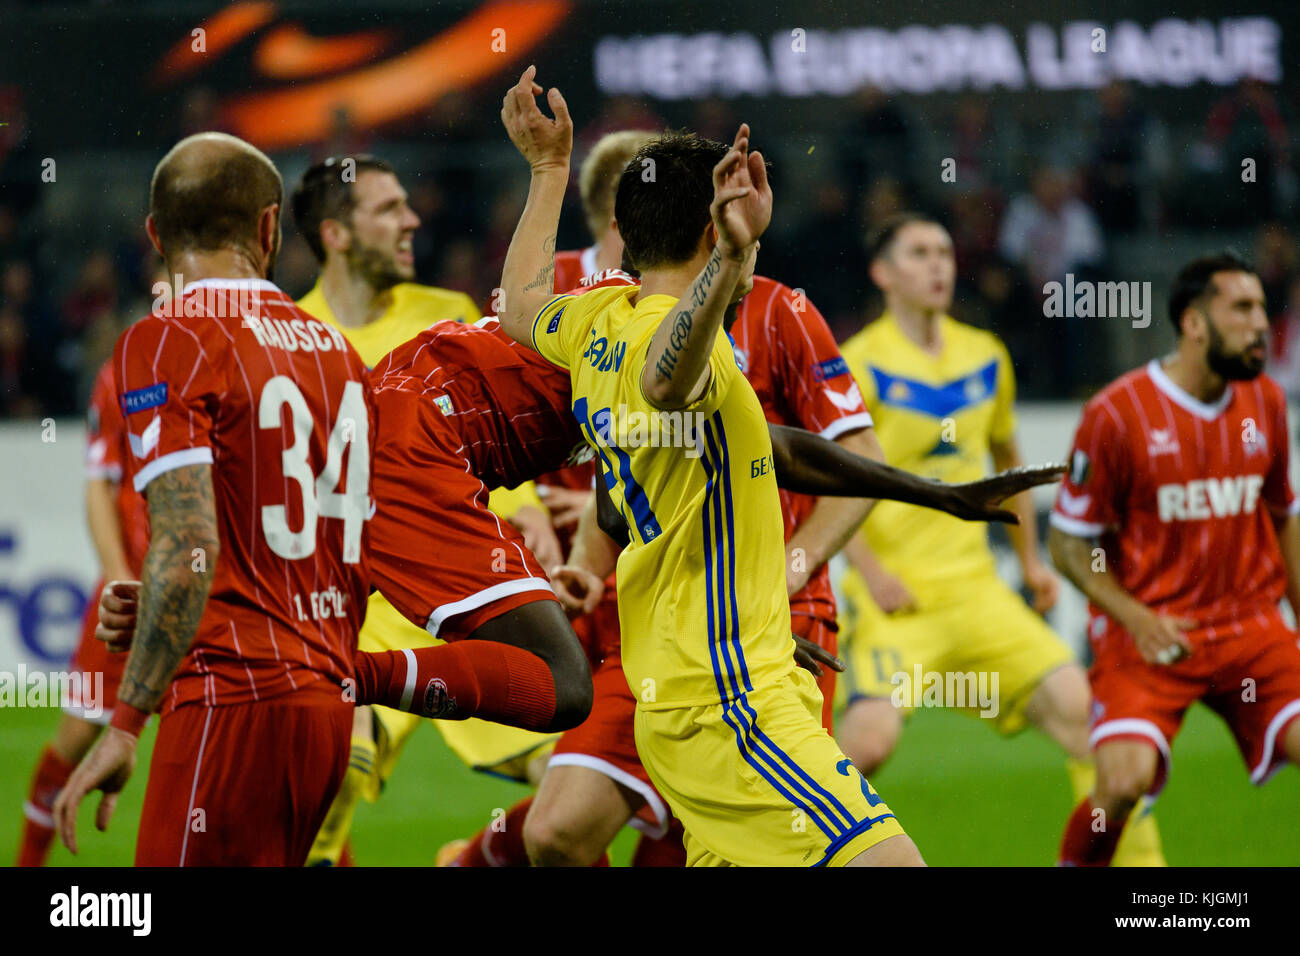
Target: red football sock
point(1082, 845)
point(483, 679)
point(501, 844)
point(668, 850)
point(38, 828)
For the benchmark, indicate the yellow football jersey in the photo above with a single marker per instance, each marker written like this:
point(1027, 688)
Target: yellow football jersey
point(414, 308)
point(701, 587)
point(935, 416)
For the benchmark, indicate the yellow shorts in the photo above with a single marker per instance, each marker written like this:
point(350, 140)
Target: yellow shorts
point(482, 745)
point(973, 635)
point(759, 782)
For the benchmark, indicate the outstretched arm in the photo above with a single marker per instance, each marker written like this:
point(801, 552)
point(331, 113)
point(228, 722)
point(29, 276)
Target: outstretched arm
point(529, 271)
point(833, 520)
point(811, 465)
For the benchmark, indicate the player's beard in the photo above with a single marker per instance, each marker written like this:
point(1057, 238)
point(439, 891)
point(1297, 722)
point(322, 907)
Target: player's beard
point(1233, 366)
point(375, 267)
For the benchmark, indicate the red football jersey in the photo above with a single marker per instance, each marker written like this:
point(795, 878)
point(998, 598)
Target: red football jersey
point(1178, 492)
point(572, 266)
point(507, 407)
point(105, 453)
point(789, 355)
point(234, 375)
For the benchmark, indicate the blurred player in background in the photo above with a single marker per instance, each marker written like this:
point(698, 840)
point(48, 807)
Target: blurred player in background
point(1178, 522)
point(354, 215)
point(119, 530)
point(724, 657)
point(597, 182)
point(250, 426)
point(924, 591)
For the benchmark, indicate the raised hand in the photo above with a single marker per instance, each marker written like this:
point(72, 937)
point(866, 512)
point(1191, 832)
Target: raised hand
point(742, 199)
point(978, 500)
point(546, 143)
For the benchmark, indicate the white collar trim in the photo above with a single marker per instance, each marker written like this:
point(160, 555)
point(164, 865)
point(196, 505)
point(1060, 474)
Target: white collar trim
point(1184, 399)
point(258, 285)
point(588, 261)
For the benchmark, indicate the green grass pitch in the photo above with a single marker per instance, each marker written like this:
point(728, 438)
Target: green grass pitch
point(966, 796)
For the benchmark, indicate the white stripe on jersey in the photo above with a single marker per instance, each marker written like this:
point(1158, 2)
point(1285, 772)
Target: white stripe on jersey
point(177, 459)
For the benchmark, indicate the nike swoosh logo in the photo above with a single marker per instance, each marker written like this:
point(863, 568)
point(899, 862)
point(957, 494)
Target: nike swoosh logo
point(403, 85)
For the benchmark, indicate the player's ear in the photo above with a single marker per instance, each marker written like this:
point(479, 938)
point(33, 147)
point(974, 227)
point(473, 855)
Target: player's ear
point(334, 235)
point(151, 228)
point(1193, 322)
point(268, 230)
point(710, 237)
point(879, 273)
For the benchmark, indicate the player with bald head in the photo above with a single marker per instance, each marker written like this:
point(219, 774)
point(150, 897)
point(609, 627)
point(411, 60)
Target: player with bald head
point(251, 427)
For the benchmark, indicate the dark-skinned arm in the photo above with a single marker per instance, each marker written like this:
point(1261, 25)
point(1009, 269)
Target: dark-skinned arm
point(811, 465)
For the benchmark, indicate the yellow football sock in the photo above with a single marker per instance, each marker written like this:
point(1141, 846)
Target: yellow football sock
point(1139, 845)
point(328, 845)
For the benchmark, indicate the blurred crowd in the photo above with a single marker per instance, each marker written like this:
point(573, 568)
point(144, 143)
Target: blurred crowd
point(1097, 195)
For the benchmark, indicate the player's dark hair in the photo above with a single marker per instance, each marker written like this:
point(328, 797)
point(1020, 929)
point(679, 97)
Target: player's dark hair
point(1195, 283)
point(663, 198)
point(325, 192)
point(209, 191)
point(882, 238)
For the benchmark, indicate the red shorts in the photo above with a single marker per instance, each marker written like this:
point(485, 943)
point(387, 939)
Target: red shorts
point(598, 632)
point(604, 742)
point(244, 784)
point(825, 634)
point(100, 669)
point(445, 561)
point(1251, 679)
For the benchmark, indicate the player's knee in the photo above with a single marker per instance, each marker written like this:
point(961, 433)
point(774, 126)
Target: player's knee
point(1071, 696)
point(1121, 785)
point(868, 734)
point(542, 629)
point(73, 738)
point(1060, 708)
point(896, 851)
point(550, 842)
point(573, 691)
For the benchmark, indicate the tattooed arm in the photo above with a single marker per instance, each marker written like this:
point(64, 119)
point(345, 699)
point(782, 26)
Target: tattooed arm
point(529, 271)
point(182, 517)
point(676, 371)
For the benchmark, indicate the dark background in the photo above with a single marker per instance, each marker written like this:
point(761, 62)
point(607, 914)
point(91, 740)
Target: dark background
point(1150, 164)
